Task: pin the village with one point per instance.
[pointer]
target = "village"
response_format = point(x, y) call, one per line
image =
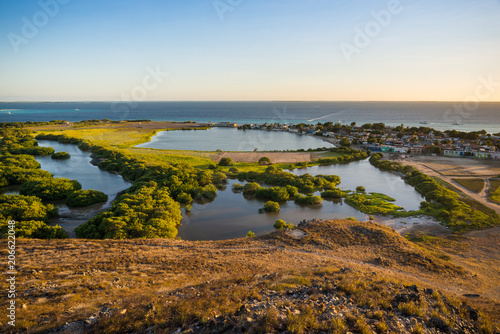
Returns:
point(399, 140)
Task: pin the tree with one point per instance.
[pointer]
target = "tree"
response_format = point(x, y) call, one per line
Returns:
point(237, 187)
point(360, 189)
point(226, 162)
point(345, 142)
point(271, 206)
point(264, 161)
point(250, 188)
point(250, 234)
point(281, 224)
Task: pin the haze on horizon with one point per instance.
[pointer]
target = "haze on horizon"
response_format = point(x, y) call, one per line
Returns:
point(217, 50)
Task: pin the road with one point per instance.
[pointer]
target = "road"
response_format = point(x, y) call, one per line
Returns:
point(482, 197)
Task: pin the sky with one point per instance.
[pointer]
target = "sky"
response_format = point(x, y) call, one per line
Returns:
point(263, 50)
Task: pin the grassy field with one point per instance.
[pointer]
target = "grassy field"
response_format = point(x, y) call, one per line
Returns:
point(494, 194)
point(194, 158)
point(110, 136)
point(474, 184)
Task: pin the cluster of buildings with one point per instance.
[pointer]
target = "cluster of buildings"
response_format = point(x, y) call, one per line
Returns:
point(388, 140)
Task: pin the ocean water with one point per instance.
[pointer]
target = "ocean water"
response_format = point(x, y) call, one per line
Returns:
point(439, 115)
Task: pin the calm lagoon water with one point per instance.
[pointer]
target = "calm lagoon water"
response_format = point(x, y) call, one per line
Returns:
point(230, 139)
point(229, 215)
point(78, 167)
point(362, 173)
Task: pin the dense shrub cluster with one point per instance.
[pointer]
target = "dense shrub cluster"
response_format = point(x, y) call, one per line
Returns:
point(5, 125)
point(281, 224)
point(360, 189)
point(19, 141)
point(31, 217)
point(276, 194)
point(271, 206)
point(308, 200)
point(148, 212)
point(372, 204)
point(60, 156)
point(17, 169)
point(304, 183)
point(226, 162)
point(333, 194)
point(49, 188)
point(82, 198)
point(349, 155)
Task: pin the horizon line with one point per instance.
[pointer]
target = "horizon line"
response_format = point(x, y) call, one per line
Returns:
point(273, 101)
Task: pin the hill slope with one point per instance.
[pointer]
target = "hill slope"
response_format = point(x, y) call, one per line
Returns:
point(323, 276)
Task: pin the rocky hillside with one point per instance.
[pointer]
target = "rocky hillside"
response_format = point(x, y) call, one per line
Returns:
point(323, 276)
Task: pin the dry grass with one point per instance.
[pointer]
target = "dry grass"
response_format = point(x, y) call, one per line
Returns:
point(474, 185)
point(168, 283)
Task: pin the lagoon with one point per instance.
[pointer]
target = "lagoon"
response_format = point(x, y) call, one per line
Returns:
point(78, 167)
point(231, 139)
point(230, 214)
point(362, 173)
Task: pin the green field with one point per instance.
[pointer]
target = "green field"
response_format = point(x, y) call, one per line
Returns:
point(474, 184)
point(109, 135)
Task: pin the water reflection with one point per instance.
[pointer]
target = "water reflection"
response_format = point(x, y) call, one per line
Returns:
point(233, 140)
point(230, 215)
point(362, 173)
point(78, 167)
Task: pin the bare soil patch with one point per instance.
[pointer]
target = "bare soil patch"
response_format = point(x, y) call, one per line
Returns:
point(459, 166)
point(404, 225)
point(276, 157)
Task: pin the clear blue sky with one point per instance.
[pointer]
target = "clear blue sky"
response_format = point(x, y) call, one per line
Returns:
point(91, 50)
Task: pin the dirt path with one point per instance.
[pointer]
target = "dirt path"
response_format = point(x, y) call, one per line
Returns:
point(486, 189)
point(276, 157)
point(482, 197)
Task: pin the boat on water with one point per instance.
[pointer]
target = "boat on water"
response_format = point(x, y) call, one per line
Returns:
point(457, 123)
point(424, 122)
point(77, 109)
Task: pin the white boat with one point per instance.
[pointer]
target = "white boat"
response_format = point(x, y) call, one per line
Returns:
point(457, 123)
point(77, 109)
